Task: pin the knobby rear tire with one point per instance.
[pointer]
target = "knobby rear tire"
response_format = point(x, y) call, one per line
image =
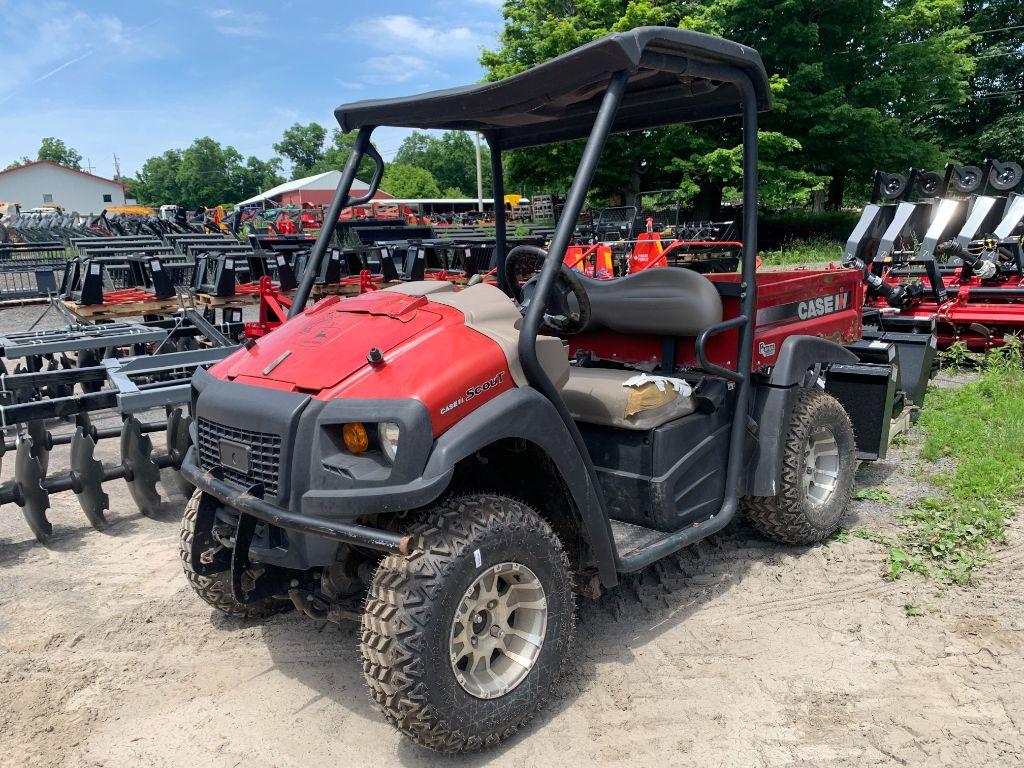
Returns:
point(788, 517)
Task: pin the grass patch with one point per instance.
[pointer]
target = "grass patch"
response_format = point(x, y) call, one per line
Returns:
point(817, 251)
point(874, 494)
point(979, 425)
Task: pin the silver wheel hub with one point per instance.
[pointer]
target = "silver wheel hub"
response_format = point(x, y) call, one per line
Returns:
point(498, 630)
point(821, 467)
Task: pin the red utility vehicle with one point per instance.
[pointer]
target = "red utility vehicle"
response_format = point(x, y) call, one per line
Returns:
point(451, 467)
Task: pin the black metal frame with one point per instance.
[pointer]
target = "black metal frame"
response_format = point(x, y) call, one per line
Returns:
point(602, 126)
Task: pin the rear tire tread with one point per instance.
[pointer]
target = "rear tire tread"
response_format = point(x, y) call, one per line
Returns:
point(782, 517)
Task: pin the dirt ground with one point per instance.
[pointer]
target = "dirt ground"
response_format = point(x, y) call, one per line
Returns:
point(737, 652)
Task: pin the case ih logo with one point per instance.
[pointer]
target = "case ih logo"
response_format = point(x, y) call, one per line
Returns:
point(823, 305)
point(808, 309)
point(472, 392)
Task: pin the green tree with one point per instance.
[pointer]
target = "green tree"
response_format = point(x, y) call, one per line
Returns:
point(991, 122)
point(404, 181)
point(337, 154)
point(450, 158)
point(866, 81)
point(56, 151)
point(856, 86)
point(303, 147)
point(204, 174)
point(256, 176)
point(157, 181)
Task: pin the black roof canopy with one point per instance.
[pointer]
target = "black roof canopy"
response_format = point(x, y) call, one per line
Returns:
point(676, 76)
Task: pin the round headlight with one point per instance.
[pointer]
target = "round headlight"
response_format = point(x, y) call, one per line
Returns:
point(388, 432)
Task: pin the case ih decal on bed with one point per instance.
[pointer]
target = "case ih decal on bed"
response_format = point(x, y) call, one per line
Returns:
point(805, 310)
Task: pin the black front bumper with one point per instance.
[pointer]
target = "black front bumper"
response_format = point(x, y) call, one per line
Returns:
point(246, 502)
point(300, 478)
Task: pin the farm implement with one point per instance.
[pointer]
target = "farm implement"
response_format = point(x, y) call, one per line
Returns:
point(451, 465)
point(945, 260)
point(69, 383)
point(623, 240)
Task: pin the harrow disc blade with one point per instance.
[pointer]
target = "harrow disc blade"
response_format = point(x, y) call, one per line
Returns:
point(37, 444)
point(34, 501)
point(178, 442)
point(89, 473)
point(88, 358)
point(143, 475)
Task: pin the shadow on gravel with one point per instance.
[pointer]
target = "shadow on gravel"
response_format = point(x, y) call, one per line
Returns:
point(325, 658)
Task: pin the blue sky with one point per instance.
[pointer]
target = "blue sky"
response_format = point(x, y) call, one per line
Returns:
point(138, 78)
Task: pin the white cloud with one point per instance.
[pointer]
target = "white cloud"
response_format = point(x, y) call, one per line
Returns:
point(424, 35)
point(398, 68)
point(251, 24)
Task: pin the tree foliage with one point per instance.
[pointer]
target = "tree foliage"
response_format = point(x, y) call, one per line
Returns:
point(303, 147)
point(55, 151)
point(307, 149)
point(403, 180)
point(857, 84)
point(204, 174)
point(450, 158)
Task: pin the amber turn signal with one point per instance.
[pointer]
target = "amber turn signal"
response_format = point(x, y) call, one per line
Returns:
point(355, 437)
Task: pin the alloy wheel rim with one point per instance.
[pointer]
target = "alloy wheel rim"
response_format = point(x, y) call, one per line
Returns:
point(498, 630)
point(821, 467)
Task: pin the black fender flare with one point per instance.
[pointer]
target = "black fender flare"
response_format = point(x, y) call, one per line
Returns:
point(773, 403)
point(800, 353)
point(526, 414)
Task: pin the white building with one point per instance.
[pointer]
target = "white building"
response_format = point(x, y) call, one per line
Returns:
point(46, 183)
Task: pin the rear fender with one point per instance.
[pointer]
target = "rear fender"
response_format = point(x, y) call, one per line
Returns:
point(773, 404)
point(526, 414)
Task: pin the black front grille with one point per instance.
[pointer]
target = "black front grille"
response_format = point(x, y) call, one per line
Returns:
point(264, 455)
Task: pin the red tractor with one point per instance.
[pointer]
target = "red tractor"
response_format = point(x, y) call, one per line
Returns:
point(452, 467)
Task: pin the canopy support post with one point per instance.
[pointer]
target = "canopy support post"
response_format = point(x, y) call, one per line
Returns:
point(498, 193)
point(339, 202)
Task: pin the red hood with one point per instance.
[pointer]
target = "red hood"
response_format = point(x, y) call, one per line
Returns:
point(330, 341)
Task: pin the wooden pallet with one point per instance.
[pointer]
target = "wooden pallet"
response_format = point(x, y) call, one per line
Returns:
point(124, 309)
point(27, 301)
point(238, 301)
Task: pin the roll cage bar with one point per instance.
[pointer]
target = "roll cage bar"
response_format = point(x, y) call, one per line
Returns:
point(646, 78)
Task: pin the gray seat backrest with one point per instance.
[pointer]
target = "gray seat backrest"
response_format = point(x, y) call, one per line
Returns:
point(664, 301)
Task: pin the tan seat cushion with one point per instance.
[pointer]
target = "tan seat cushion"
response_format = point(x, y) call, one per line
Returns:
point(598, 396)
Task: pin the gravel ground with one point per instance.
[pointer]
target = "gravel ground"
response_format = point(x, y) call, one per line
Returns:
point(736, 652)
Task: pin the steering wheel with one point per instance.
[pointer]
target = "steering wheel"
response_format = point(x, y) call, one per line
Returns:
point(568, 306)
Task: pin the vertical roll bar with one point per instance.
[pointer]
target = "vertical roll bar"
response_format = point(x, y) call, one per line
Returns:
point(338, 203)
point(498, 193)
point(553, 263)
point(563, 233)
point(745, 322)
